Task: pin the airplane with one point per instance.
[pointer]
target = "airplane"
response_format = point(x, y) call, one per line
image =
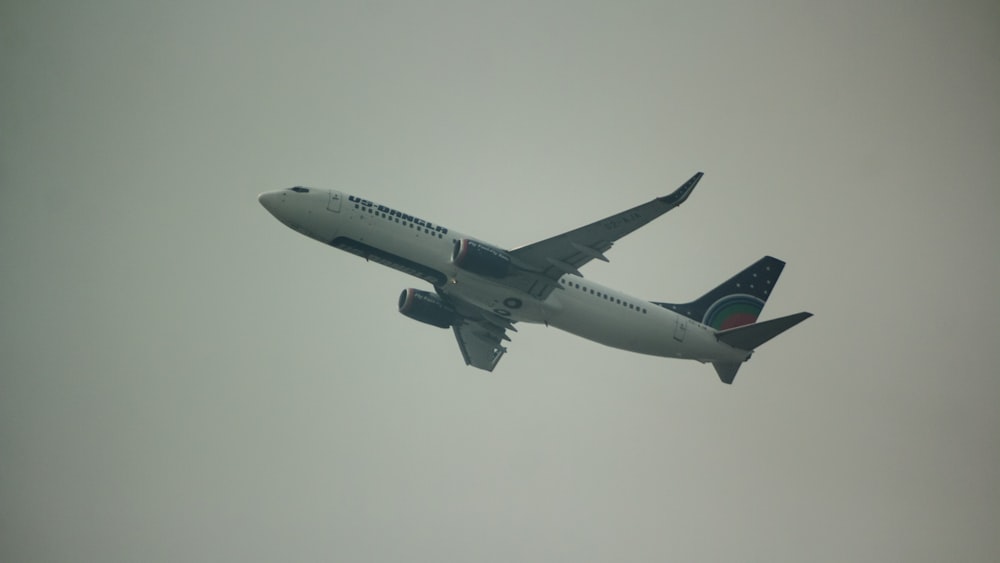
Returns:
point(480, 291)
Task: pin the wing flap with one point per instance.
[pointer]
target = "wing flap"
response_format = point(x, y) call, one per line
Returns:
point(480, 346)
point(479, 333)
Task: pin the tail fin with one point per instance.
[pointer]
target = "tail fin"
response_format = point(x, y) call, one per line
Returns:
point(736, 302)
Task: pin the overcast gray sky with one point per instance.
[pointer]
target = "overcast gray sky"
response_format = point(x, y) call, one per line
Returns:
point(182, 378)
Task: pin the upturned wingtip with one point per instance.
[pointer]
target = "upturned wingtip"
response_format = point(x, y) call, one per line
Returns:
point(682, 193)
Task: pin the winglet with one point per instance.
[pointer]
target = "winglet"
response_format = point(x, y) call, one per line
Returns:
point(682, 193)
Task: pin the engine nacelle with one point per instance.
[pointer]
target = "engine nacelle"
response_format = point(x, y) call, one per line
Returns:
point(426, 307)
point(481, 259)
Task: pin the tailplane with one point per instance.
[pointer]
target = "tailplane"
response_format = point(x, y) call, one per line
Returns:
point(727, 370)
point(751, 336)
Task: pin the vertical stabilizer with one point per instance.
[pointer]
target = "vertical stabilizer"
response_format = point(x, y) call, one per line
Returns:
point(736, 302)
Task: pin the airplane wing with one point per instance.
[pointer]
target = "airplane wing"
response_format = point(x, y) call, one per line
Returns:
point(479, 333)
point(541, 264)
point(479, 343)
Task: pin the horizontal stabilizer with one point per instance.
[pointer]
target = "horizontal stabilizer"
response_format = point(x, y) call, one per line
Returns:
point(727, 370)
point(751, 336)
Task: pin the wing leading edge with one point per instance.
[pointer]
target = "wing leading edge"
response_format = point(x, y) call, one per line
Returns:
point(544, 262)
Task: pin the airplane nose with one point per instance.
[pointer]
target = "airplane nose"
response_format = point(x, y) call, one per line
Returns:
point(270, 200)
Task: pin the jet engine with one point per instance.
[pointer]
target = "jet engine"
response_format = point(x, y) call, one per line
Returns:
point(481, 259)
point(426, 307)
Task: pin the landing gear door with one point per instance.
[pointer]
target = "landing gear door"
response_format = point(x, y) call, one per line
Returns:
point(334, 203)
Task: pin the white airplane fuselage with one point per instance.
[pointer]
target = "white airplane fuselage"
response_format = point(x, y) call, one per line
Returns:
point(424, 249)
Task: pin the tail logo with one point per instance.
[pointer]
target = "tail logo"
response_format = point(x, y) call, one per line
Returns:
point(732, 311)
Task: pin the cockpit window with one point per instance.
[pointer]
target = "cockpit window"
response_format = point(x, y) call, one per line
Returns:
point(300, 189)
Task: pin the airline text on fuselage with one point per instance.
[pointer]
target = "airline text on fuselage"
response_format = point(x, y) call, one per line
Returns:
point(393, 213)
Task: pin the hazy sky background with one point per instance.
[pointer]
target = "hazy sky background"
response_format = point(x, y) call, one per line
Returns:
point(182, 378)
